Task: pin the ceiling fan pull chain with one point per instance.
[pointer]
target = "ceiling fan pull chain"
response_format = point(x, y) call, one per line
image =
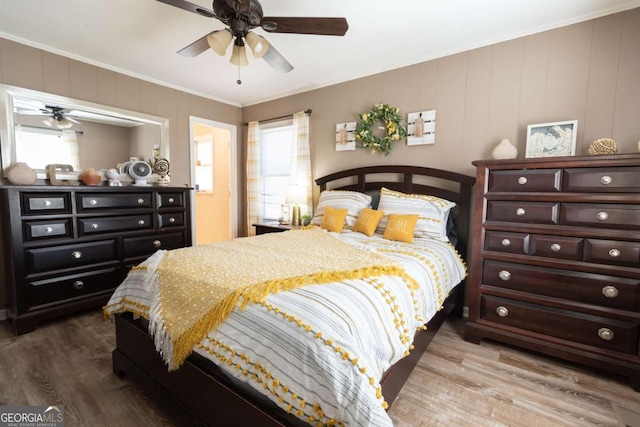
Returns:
point(239, 81)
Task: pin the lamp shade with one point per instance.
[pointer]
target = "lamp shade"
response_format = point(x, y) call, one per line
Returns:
point(296, 195)
point(219, 41)
point(258, 44)
point(239, 56)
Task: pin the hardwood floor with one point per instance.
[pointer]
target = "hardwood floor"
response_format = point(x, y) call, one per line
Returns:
point(455, 383)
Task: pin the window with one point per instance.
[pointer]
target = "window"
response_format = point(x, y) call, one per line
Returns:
point(276, 151)
point(40, 147)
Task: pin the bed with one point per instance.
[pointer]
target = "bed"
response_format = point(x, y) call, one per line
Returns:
point(199, 392)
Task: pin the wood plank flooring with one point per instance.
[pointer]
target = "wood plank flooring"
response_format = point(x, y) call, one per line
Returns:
point(455, 383)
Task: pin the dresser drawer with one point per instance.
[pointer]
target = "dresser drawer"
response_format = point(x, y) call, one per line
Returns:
point(542, 180)
point(522, 212)
point(614, 179)
point(171, 219)
point(601, 216)
point(580, 328)
point(613, 252)
point(98, 201)
point(58, 257)
point(38, 230)
point(45, 203)
point(117, 223)
point(556, 247)
point(513, 243)
point(63, 288)
point(598, 289)
point(142, 246)
point(170, 200)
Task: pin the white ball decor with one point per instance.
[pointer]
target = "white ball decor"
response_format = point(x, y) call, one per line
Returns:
point(21, 174)
point(505, 150)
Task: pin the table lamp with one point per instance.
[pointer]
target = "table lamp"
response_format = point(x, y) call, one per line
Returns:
point(296, 195)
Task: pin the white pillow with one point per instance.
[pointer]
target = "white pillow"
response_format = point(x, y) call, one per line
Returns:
point(432, 211)
point(353, 201)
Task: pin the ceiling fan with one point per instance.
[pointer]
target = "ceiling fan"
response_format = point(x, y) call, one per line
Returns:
point(58, 117)
point(241, 16)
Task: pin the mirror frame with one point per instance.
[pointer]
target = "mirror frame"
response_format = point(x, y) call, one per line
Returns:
point(7, 124)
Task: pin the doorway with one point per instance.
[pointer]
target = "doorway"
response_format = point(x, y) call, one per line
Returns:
point(213, 177)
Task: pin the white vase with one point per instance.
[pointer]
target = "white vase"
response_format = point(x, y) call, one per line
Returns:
point(505, 150)
point(21, 174)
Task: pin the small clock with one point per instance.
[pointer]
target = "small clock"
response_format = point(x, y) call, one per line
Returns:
point(140, 171)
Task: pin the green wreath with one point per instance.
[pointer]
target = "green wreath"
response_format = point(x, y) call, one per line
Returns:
point(394, 131)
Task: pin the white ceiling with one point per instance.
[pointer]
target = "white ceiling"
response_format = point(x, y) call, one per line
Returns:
point(140, 38)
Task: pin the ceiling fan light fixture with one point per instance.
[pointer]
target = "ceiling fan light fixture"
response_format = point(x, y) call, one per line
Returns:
point(239, 54)
point(258, 44)
point(219, 41)
point(64, 123)
point(49, 121)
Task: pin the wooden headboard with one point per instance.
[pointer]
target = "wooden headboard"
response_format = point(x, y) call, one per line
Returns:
point(410, 179)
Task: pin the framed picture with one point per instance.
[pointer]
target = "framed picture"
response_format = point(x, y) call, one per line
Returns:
point(422, 128)
point(552, 139)
point(345, 136)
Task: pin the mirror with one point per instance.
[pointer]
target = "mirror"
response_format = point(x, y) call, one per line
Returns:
point(40, 129)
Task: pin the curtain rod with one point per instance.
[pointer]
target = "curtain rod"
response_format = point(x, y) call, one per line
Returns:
point(51, 129)
point(307, 111)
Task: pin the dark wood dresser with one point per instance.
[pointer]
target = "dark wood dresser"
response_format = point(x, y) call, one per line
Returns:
point(67, 248)
point(555, 262)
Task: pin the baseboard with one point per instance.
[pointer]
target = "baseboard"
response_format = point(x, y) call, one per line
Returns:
point(3, 314)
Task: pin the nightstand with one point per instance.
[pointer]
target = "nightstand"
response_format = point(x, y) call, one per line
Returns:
point(271, 227)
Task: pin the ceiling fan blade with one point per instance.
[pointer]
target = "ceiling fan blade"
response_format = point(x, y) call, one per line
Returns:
point(197, 47)
point(276, 60)
point(319, 26)
point(71, 119)
point(183, 4)
point(29, 112)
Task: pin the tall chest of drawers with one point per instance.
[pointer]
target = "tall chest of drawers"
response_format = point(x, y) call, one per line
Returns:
point(555, 262)
point(67, 248)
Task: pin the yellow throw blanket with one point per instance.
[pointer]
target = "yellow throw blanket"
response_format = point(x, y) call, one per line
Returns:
point(195, 289)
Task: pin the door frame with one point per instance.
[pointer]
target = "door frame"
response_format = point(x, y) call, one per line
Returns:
point(233, 169)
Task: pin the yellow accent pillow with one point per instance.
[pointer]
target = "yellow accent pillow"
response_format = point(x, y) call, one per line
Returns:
point(400, 227)
point(368, 221)
point(333, 219)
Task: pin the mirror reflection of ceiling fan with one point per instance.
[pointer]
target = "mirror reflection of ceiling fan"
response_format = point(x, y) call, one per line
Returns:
point(57, 117)
point(241, 16)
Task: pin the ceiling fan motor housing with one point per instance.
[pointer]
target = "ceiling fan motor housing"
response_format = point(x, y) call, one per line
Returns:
point(229, 11)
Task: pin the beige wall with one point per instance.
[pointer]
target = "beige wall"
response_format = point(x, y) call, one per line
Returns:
point(588, 71)
point(36, 69)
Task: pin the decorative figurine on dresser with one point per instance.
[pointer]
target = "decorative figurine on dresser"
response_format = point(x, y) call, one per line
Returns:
point(66, 248)
point(555, 264)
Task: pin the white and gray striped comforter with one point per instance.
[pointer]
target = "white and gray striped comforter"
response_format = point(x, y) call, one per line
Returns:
point(320, 351)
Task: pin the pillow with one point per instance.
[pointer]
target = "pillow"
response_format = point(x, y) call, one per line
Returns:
point(333, 219)
point(432, 211)
point(400, 227)
point(368, 221)
point(353, 201)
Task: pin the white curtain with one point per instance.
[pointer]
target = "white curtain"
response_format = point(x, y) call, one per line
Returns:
point(301, 164)
point(254, 197)
point(70, 147)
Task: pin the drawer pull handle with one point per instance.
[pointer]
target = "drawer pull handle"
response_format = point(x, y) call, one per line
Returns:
point(520, 211)
point(172, 220)
point(556, 247)
point(614, 253)
point(95, 226)
point(157, 243)
point(502, 311)
point(141, 222)
point(47, 202)
point(606, 334)
point(171, 200)
point(140, 201)
point(76, 254)
point(606, 180)
point(603, 216)
point(506, 242)
point(504, 275)
point(610, 291)
point(93, 202)
point(49, 229)
point(78, 284)
point(522, 180)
